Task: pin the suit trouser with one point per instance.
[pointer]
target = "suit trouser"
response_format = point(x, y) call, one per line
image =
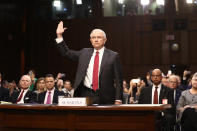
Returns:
point(189, 119)
point(93, 95)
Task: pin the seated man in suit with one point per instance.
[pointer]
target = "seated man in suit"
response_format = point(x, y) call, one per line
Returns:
point(68, 90)
point(173, 84)
point(156, 94)
point(4, 94)
point(24, 95)
point(51, 95)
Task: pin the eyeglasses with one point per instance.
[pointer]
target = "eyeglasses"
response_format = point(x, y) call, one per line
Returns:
point(173, 82)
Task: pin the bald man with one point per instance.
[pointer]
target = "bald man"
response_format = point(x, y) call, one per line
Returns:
point(159, 94)
point(24, 95)
point(99, 69)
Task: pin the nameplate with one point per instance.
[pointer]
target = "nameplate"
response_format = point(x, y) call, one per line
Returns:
point(78, 101)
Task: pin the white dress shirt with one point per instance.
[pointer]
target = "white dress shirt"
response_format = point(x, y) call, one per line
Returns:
point(47, 93)
point(89, 73)
point(158, 91)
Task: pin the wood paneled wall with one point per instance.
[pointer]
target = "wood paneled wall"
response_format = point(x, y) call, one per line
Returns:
point(141, 48)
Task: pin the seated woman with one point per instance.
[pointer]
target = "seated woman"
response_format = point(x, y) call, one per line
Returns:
point(187, 106)
point(40, 86)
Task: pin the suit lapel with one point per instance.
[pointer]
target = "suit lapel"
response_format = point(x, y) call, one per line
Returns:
point(162, 93)
point(149, 98)
point(54, 96)
point(87, 58)
point(42, 96)
point(103, 61)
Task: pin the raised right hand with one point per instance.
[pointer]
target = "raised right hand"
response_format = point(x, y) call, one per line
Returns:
point(60, 30)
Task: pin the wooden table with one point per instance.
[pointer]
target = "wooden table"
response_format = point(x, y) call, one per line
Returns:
point(134, 117)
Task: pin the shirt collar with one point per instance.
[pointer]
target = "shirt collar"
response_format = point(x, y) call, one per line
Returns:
point(25, 90)
point(100, 50)
point(51, 90)
point(159, 86)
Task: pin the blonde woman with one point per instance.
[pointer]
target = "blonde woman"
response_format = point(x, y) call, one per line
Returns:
point(40, 86)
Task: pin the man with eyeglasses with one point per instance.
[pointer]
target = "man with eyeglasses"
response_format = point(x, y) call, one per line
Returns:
point(159, 94)
point(173, 84)
point(24, 95)
point(99, 69)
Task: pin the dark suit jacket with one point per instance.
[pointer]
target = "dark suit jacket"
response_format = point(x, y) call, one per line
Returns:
point(177, 96)
point(4, 94)
point(110, 72)
point(57, 93)
point(30, 97)
point(165, 93)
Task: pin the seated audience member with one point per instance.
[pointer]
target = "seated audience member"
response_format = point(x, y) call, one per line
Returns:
point(139, 88)
point(180, 85)
point(12, 87)
point(50, 96)
point(125, 92)
point(32, 75)
point(173, 84)
point(5, 84)
point(40, 86)
point(59, 84)
point(134, 83)
point(135, 89)
point(155, 94)
point(165, 81)
point(186, 76)
point(148, 79)
point(187, 107)
point(186, 80)
point(59, 76)
point(68, 90)
point(24, 95)
point(4, 94)
point(125, 87)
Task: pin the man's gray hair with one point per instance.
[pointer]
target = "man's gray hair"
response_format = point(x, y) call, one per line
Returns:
point(26, 76)
point(104, 34)
point(195, 75)
point(174, 76)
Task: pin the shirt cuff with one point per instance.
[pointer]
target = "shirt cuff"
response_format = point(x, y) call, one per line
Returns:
point(58, 40)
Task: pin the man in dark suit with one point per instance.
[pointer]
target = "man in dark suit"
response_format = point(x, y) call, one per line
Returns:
point(173, 84)
point(51, 95)
point(4, 94)
point(24, 95)
point(99, 74)
point(159, 94)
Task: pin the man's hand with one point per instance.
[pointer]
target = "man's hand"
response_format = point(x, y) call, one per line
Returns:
point(60, 30)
